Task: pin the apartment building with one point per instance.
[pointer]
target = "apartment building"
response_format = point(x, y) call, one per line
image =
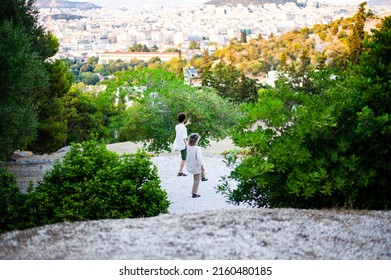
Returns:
point(106, 57)
point(191, 77)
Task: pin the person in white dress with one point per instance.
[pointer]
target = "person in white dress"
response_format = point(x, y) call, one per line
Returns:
point(195, 163)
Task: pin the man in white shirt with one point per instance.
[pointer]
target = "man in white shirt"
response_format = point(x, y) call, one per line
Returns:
point(180, 142)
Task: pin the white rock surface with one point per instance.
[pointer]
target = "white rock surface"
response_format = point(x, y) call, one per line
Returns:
point(207, 227)
point(219, 234)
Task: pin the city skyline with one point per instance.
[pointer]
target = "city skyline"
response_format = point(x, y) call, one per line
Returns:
point(96, 31)
point(110, 3)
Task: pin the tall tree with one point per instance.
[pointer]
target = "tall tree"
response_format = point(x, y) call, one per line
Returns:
point(243, 36)
point(355, 40)
point(370, 108)
point(24, 14)
point(230, 83)
point(283, 57)
point(88, 114)
point(21, 74)
point(24, 46)
point(52, 129)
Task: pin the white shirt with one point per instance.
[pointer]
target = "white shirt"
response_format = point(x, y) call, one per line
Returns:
point(194, 159)
point(181, 134)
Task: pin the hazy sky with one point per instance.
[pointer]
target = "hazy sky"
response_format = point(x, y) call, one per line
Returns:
point(108, 3)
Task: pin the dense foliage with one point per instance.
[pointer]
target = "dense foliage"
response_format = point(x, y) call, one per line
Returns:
point(230, 83)
point(12, 202)
point(52, 129)
point(156, 98)
point(370, 108)
point(90, 112)
point(24, 47)
point(89, 183)
point(326, 147)
point(90, 72)
point(18, 113)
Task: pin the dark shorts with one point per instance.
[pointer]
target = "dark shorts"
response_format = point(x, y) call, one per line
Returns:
point(184, 154)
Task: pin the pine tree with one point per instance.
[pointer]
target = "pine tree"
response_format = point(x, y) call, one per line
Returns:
point(355, 40)
point(243, 36)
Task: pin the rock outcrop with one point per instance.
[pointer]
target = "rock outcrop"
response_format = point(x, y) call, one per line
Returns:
point(214, 235)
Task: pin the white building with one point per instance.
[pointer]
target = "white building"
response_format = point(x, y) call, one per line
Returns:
point(192, 77)
point(179, 38)
point(106, 57)
point(272, 76)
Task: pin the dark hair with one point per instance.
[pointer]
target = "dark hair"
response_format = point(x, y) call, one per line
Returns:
point(181, 117)
point(194, 137)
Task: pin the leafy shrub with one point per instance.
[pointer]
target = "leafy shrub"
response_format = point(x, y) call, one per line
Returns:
point(12, 201)
point(89, 183)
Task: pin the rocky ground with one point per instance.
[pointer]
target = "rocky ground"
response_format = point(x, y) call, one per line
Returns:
point(214, 235)
point(204, 228)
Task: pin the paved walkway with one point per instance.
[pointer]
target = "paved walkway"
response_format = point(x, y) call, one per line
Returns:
point(179, 188)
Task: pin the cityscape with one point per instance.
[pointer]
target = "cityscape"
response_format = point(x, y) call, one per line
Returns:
point(99, 31)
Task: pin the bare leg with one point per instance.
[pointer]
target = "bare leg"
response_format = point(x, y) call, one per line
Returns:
point(181, 166)
point(196, 183)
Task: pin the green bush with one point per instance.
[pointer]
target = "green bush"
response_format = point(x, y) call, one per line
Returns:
point(12, 201)
point(90, 183)
point(93, 183)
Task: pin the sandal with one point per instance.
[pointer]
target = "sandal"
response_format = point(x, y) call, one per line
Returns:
point(195, 195)
point(181, 174)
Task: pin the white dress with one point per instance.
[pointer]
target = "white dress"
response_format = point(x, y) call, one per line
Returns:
point(194, 159)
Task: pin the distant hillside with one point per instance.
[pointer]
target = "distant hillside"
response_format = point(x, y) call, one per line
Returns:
point(42, 4)
point(66, 17)
point(277, 2)
point(378, 2)
point(247, 2)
